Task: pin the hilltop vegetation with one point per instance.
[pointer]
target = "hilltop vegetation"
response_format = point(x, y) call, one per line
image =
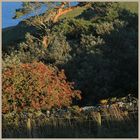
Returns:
point(19, 30)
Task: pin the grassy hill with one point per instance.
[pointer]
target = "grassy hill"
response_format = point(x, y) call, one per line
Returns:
point(132, 6)
point(76, 12)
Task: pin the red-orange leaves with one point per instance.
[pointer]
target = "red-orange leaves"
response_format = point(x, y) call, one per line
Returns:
point(35, 86)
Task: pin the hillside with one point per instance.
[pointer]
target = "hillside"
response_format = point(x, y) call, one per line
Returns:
point(19, 31)
point(71, 71)
point(80, 27)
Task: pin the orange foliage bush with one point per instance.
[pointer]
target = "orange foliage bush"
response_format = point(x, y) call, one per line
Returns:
point(35, 86)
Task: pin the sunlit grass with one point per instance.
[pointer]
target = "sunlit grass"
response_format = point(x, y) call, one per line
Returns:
point(132, 6)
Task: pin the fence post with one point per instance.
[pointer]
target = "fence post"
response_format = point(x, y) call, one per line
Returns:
point(99, 123)
point(99, 119)
point(29, 127)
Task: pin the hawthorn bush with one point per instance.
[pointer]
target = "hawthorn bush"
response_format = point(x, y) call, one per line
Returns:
point(35, 86)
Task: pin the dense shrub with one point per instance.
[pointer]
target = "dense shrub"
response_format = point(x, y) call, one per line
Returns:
point(58, 50)
point(35, 86)
point(12, 59)
point(32, 48)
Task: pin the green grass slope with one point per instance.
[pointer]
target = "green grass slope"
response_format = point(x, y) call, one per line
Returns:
point(132, 6)
point(76, 12)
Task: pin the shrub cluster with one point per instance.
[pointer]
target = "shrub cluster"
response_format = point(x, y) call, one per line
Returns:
point(35, 86)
